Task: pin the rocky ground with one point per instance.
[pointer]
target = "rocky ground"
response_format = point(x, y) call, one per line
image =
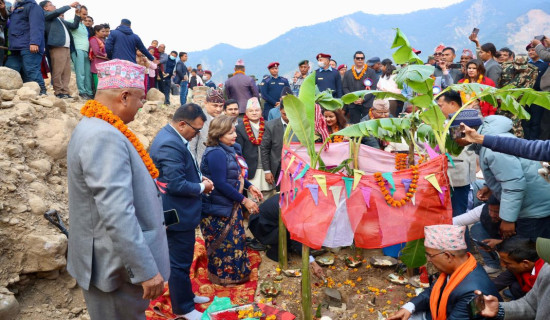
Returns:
point(33, 281)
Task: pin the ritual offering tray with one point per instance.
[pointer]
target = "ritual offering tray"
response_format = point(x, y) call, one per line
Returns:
point(270, 289)
point(415, 282)
point(292, 273)
point(353, 262)
point(326, 259)
point(248, 311)
point(394, 278)
point(383, 261)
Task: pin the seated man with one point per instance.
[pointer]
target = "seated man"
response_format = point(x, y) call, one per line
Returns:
point(265, 228)
point(535, 305)
point(380, 109)
point(519, 257)
point(460, 275)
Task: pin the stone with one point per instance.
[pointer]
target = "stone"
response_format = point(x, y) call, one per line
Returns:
point(155, 95)
point(61, 104)
point(7, 95)
point(26, 93)
point(71, 283)
point(41, 165)
point(9, 307)
point(37, 204)
point(43, 102)
point(54, 135)
point(38, 188)
point(32, 85)
point(49, 275)
point(44, 253)
point(334, 297)
point(10, 79)
point(7, 104)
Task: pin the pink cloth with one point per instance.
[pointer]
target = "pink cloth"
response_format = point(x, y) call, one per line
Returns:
point(445, 237)
point(117, 74)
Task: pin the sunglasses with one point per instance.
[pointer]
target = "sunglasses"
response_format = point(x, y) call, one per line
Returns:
point(359, 58)
point(197, 131)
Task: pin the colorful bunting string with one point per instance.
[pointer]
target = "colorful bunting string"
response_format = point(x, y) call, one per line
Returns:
point(389, 178)
point(433, 180)
point(322, 181)
point(303, 172)
point(349, 185)
point(357, 174)
point(314, 189)
point(336, 192)
point(366, 191)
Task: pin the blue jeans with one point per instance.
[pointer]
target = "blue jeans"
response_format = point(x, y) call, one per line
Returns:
point(28, 65)
point(533, 228)
point(479, 233)
point(531, 127)
point(166, 88)
point(82, 69)
point(181, 246)
point(183, 92)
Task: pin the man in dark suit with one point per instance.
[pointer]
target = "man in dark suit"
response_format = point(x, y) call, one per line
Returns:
point(59, 45)
point(181, 184)
point(272, 146)
point(182, 77)
point(241, 87)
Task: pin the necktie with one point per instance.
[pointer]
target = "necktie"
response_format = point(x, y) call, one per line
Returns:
point(194, 161)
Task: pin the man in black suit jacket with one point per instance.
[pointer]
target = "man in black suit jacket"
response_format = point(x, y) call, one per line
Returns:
point(272, 146)
point(60, 44)
point(181, 184)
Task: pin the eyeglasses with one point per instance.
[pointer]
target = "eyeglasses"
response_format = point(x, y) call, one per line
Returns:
point(438, 54)
point(359, 58)
point(197, 131)
point(431, 256)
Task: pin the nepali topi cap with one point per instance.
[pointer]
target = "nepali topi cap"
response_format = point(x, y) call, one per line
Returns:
point(323, 55)
point(469, 117)
point(253, 102)
point(439, 48)
point(273, 64)
point(120, 74)
point(445, 237)
point(239, 63)
point(214, 96)
point(468, 53)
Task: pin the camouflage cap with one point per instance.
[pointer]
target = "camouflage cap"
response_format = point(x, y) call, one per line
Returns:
point(521, 62)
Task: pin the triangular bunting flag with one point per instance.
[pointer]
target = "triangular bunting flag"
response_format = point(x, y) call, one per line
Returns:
point(314, 189)
point(407, 184)
point(302, 182)
point(280, 177)
point(336, 192)
point(442, 195)
point(281, 199)
point(433, 180)
point(349, 185)
point(413, 199)
point(450, 159)
point(366, 195)
point(389, 177)
point(357, 174)
point(295, 194)
point(430, 150)
point(298, 167)
point(303, 173)
point(290, 163)
point(322, 181)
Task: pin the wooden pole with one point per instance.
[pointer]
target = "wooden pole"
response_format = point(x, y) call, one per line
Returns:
point(306, 285)
point(283, 248)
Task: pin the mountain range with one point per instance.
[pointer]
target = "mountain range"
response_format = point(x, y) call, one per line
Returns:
point(507, 23)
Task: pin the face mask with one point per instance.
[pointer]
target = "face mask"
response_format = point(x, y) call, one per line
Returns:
point(321, 64)
point(172, 58)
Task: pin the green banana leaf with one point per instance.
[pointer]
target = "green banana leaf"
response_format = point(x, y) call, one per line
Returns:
point(327, 101)
point(413, 254)
point(301, 121)
point(353, 96)
point(404, 54)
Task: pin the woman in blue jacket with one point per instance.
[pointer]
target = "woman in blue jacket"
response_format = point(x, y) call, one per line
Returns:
point(222, 223)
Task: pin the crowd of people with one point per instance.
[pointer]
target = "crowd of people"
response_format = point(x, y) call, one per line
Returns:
point(212, 165)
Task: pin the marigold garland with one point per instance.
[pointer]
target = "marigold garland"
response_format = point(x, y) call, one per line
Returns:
point(358, 77)
point(94, 109)
point(401, 161)
point(409, 194)
point(463, 94)
point(238, 71)
point(250, 134)
point(335, 139)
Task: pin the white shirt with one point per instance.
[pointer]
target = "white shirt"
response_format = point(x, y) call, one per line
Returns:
point(67, 38)
point(185, 142)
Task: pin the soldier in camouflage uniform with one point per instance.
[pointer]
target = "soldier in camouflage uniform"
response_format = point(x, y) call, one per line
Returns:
point(520, 74)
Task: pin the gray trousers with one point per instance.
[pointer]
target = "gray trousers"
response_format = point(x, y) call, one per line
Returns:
point(124, 303)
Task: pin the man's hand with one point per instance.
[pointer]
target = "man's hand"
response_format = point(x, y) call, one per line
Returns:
point(484, 193)
point(277, 104)
point(33, 48)
point(402, 314)
point(507, 229)
point(208, 185)
point(535, 42)
point(269, 178)
point(359, 101)
point(492, 242)
point(155, 61)
point(74, 4)
point(153, 287)
point(491, 306)
point(317, 270)
point(471, 134)
point(256, 192)
point(443, 65)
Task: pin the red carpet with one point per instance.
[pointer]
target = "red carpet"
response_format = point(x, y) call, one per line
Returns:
point(161, 308)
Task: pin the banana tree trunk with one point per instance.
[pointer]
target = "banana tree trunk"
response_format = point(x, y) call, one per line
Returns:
point(306, 285)
point(283, 248)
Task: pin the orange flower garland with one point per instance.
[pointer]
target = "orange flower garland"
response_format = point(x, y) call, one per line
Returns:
point(463, 94)
point(255, 141)
point(94, 109)
point(410, 193)
point(358, 77)
point(238, 71)
point(400, 161)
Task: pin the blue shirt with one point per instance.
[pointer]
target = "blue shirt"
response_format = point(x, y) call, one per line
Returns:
point(329, 79)
point(271, 89)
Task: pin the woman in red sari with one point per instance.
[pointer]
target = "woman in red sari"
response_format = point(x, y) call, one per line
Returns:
point(475, 73)
point(97, 52)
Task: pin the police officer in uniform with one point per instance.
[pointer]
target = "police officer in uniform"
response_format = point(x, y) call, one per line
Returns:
point(326, 77)
point(271, 88)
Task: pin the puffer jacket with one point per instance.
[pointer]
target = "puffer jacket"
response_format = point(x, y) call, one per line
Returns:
point(123, 43)
point(27, 26)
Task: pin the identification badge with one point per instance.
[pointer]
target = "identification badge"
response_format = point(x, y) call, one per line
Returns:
point(319, 78)
point(367, 82)
point(437, 90)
